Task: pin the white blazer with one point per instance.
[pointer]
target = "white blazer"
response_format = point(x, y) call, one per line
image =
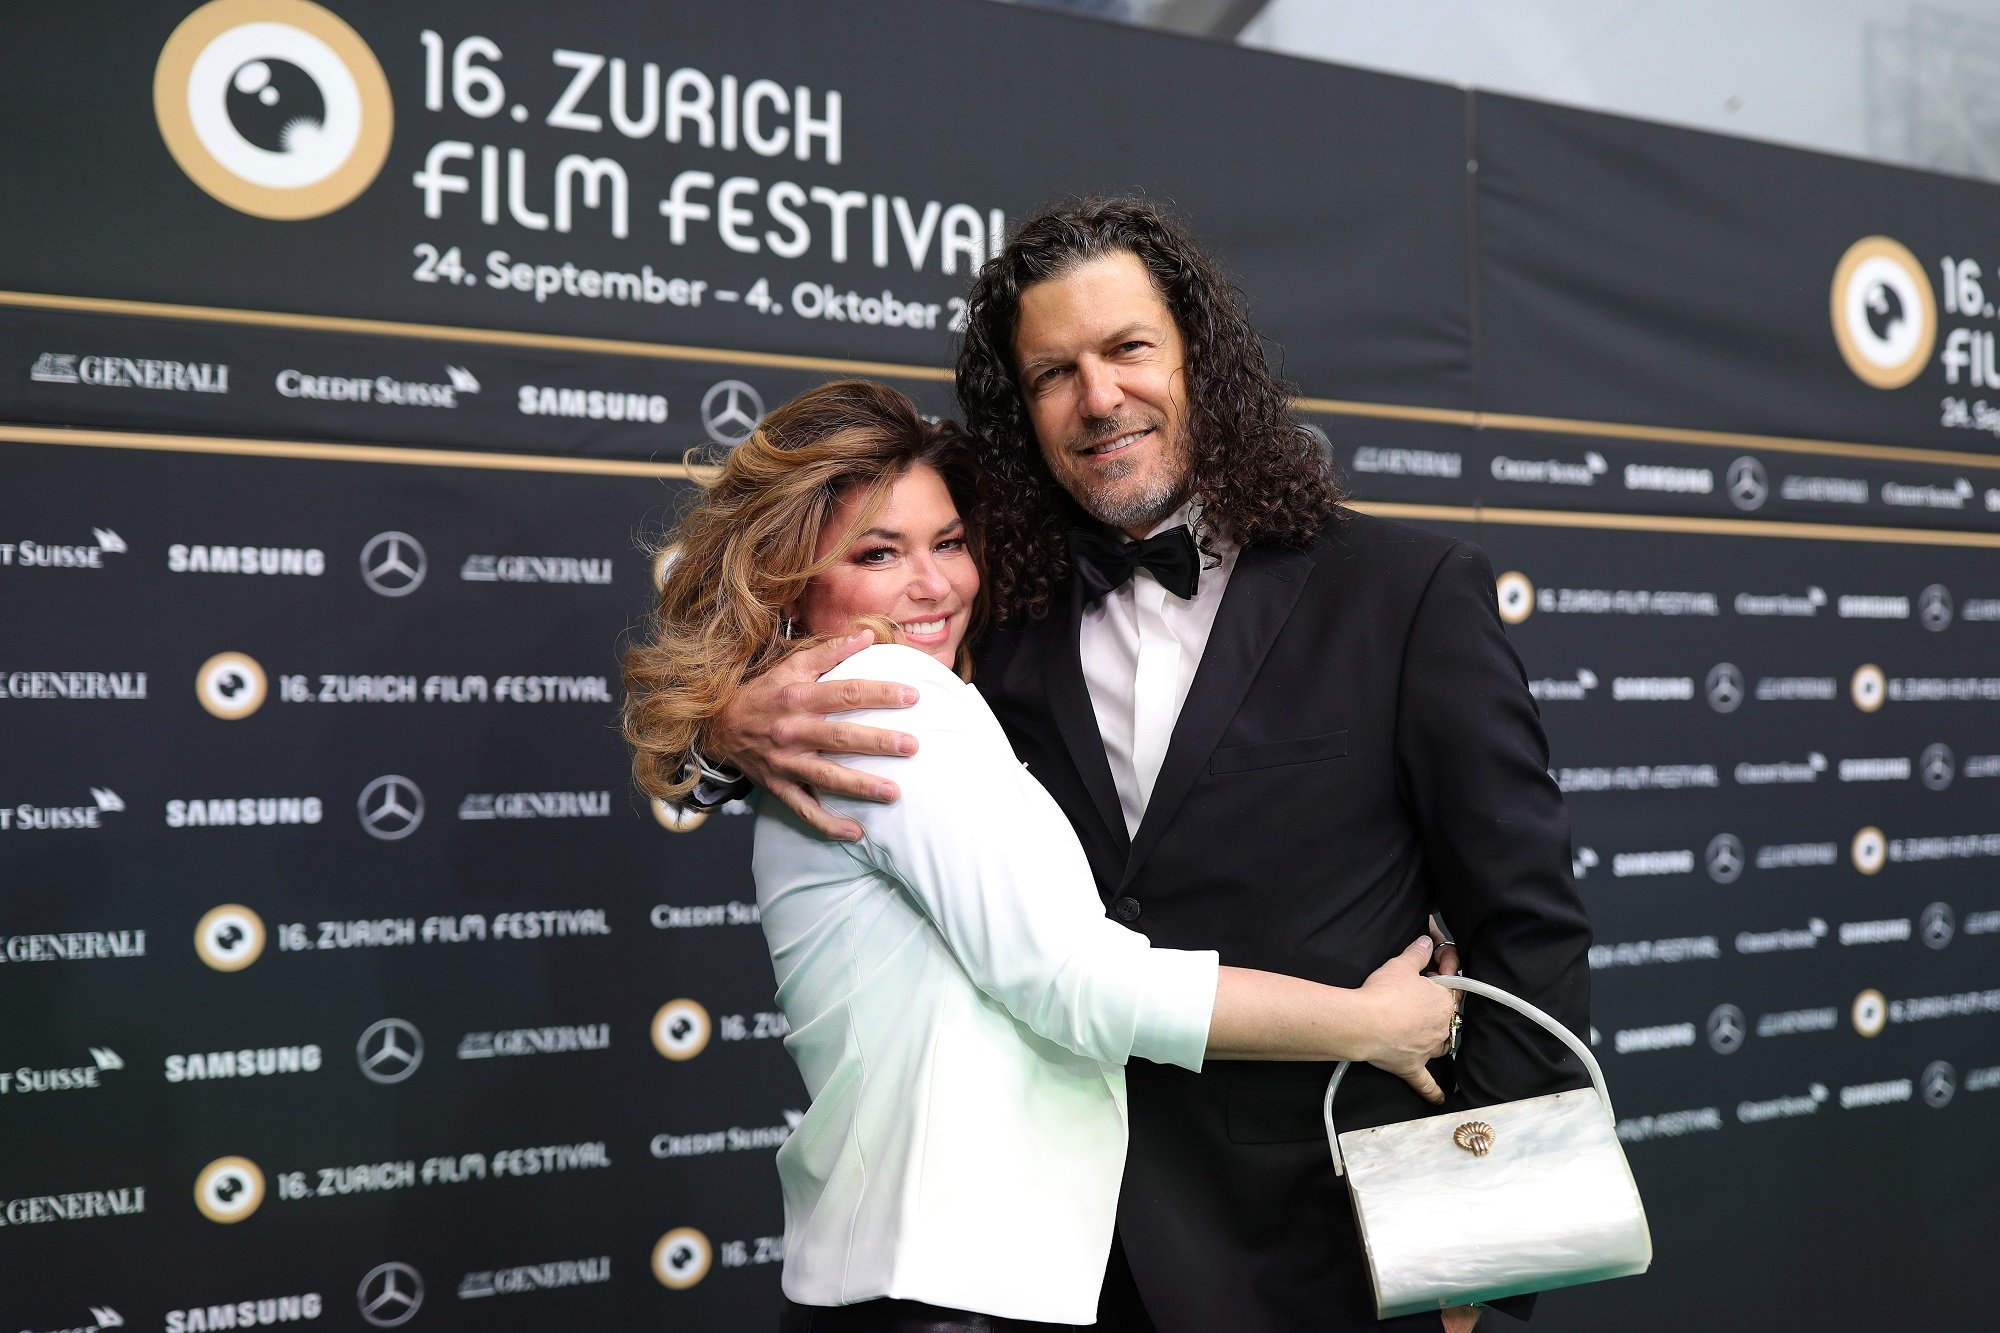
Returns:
point(962, 1010)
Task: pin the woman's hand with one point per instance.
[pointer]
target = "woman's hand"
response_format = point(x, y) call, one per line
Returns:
point(776, 729)
point(1412, 1018)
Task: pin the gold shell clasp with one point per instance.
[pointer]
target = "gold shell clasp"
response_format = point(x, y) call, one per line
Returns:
point(1475, 1136)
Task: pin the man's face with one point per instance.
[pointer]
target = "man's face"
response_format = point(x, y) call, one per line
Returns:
point(1103, 375)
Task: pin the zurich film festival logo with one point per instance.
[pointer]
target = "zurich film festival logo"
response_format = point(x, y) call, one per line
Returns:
point(681, 1029)
point(682, 1258)
point(229, 938)
point(275, 107)
point(231, 686)
point(1515, 595)
point(1884, 312)
point(229, 1189)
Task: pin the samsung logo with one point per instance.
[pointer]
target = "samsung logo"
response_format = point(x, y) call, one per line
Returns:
point(244, 812)
point(1673, 480)
point(308, 562)
point(1669, 1036)
point(590, 404)
point(1873, 608)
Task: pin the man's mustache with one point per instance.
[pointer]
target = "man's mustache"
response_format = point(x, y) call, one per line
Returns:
point(1108, 428)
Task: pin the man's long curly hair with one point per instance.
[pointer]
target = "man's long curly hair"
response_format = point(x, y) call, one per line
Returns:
point(1257, 472)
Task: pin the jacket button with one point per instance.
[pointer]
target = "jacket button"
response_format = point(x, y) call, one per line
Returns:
point(1126, 909)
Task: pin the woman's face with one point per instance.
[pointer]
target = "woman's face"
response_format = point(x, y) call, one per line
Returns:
point(912, 565)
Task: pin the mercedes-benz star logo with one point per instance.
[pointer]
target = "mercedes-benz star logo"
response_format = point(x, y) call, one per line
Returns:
point(730, 410)
point(393, 563)
point(1748, 485)
point(1724, 858)
point(1937, 925)
point(1940, 1084)
point(1725, 687)
point(390, 807)
point(1726, 1028)
point(1934, 607)
point(390, 1051)
point(1937, 766)
point(390, 1294)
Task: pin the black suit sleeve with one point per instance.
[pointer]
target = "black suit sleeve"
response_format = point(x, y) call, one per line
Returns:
point(1473, 765)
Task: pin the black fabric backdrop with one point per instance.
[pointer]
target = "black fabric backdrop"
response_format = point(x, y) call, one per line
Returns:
point(1756, 595)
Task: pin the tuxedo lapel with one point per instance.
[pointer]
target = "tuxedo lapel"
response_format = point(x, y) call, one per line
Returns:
point(1263, 588)
point(1047, 662)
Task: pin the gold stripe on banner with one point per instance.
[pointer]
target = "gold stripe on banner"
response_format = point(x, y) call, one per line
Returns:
point(1619, 430)
point(1616, 430)
point(1707, 527)
point(273, 319)
point(616, 467)
point(347, 453)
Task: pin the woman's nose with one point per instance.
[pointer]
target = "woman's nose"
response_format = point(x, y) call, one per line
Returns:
point(927, 580)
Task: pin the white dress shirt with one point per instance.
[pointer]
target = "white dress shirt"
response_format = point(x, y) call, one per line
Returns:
point(1140, 646)
point(961, 1010)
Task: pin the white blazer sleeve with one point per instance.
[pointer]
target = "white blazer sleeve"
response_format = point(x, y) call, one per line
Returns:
point(993, 863)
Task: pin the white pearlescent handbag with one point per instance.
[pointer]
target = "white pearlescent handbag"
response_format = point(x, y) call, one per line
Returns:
point(1476, 1205)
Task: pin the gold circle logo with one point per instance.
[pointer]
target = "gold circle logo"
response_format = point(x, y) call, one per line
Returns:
point(682, 1258)
point(230, 686)
point(1884, 312)
point(675, 819)
point(1870, 1013)
point(229, 938)
point(1516, 596)
point(1870, 850)
point(1868, 688)
point(681, 1029)
point(275, 107)
point(229, 1189)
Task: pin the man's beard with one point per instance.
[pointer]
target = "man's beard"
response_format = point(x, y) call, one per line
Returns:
point(1130, 509)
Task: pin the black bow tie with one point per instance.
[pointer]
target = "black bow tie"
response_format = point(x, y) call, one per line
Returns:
point(1105, 561)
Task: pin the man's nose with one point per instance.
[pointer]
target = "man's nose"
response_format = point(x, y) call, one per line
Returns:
point(1102, 393)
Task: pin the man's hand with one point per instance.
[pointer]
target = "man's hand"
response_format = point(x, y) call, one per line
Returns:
point(1412, 1018)
point(1460, 1318)
point(776, 728)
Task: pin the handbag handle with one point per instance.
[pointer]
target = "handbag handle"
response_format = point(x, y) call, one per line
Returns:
point(1498, 996)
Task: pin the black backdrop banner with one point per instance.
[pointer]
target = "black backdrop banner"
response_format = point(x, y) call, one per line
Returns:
point(350, 354)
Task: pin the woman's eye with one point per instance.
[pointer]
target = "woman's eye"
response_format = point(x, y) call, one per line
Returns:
point(878, 555)
point(952, 544)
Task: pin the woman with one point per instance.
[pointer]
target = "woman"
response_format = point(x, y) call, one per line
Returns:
point(961, 1008)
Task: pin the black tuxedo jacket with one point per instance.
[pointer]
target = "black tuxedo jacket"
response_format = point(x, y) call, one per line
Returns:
point(1358, 747)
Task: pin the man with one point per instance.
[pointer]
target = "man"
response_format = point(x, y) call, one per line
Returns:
point(1281, 729)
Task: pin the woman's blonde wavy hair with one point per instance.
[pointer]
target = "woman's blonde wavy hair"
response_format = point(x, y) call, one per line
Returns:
point(747, 548)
